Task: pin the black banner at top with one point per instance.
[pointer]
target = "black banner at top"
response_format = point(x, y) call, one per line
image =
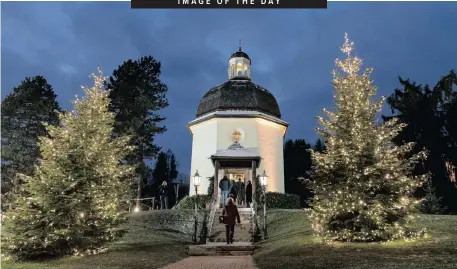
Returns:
point(229, 3)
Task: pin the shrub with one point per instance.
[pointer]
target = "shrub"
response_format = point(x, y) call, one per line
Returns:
point(189, 202)
point(174, 221)
point(283, 200)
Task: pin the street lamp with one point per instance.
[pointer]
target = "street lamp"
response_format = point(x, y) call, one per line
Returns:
point(263, 182)
point(196, 179)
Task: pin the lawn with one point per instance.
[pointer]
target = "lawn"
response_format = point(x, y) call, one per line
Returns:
point(153, 241)
point(291, 245)
point(159, 238)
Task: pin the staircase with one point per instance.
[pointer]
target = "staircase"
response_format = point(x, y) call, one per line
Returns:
point(217, 244)
point(242, 231)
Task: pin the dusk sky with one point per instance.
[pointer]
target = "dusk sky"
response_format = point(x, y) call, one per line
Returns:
point(292, 51)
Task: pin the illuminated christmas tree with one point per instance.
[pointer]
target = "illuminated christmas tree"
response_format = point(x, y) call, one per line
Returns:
point(72, 203)
point(362, 183)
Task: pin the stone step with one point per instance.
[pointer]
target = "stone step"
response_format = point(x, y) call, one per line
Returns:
point(242, 234)
point(240, 210)
point(222, 249)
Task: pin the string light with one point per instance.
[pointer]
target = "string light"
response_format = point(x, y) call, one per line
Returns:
point(362, 187)
point(76, 191)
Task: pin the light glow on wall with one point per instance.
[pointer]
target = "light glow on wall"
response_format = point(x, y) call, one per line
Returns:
point(216, 134)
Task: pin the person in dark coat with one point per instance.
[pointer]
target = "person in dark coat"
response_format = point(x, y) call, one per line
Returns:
point(163, 190)
point(231, 216)
point(249, 194)
point(224, 185)
point(233, 190)
point(240, 189)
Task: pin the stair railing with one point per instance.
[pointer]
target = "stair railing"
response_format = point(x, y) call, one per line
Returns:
point(253, 223)
point(212, 215)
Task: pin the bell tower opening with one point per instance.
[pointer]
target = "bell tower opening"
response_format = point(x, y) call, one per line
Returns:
point(239, 65)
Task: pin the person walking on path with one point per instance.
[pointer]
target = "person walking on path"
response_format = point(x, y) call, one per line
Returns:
point(249, 194)
point(163, 190)
point(231, 216)
point(240, 189)
point(224, 185)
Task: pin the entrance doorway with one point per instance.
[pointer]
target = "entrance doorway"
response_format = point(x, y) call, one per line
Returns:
point(239, 180)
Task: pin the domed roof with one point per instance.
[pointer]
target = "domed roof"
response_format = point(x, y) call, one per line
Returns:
point(239, 94)
point(240, 54)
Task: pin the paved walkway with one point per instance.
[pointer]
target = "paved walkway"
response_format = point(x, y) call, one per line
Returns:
point(214, 262)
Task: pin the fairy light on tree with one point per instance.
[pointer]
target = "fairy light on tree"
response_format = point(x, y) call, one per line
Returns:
point(73, 203)
point(362, 184)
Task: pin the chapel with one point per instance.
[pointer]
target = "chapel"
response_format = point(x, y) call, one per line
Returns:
point(238, 131)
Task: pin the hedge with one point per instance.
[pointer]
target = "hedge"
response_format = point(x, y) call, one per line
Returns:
point(282, 200)
point(189, 202)
point(178, 221)
point(275, 200)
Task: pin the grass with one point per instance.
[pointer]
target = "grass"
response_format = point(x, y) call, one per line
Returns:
point(147, 245)
point(291, 245)
point(158, 238)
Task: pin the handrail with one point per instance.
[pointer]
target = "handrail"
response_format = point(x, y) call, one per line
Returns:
point(253, 222)
point(212, 214)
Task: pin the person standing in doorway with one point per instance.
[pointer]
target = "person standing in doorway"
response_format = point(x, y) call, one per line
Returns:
point(240, 189)
point(224, 185)
point(231, 216)
point(233, 190)
point(249, 194)
point(163, 190)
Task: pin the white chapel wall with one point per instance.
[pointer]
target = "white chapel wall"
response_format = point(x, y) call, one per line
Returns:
point(204, 144)
point(271, 141)
point(216, 134)
point(247, 127)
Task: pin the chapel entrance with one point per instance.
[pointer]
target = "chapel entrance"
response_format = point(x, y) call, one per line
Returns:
point(239, 179)
point(234, 162)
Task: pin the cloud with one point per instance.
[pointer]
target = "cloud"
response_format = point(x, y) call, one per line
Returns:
point(292, 51)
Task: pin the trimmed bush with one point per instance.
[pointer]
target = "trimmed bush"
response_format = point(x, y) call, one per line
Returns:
point(175, 221)
point(189, 202)
point(283, 200)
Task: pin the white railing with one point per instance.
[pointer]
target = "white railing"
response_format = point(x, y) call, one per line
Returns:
point(212, 214)
point(253, 221)
point(136, 204)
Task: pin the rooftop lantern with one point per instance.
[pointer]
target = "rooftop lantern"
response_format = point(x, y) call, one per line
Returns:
point(239, 65)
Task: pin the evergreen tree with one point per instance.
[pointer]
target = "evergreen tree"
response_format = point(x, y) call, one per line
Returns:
point(431, 203)
point(361, 183)
point(319, 146)
point(137, 94)
point(23, 112)
point(429, 113)
point(297, 164)
point(72, 203)
point(160, 173)
point(172, 166)
point(211, 186)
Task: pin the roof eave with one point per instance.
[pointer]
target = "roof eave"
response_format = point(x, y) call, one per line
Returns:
point(250, 114)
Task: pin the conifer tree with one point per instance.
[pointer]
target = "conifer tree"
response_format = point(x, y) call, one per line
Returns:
point(23, 112)
point(431, 203)
point(72, 203)
point(362, 183)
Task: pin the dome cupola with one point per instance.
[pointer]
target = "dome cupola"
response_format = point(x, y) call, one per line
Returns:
point(239, 65)
point(239, 92)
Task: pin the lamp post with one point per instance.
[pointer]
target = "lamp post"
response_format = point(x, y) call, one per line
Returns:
point(196, 179)
point(263, 182)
